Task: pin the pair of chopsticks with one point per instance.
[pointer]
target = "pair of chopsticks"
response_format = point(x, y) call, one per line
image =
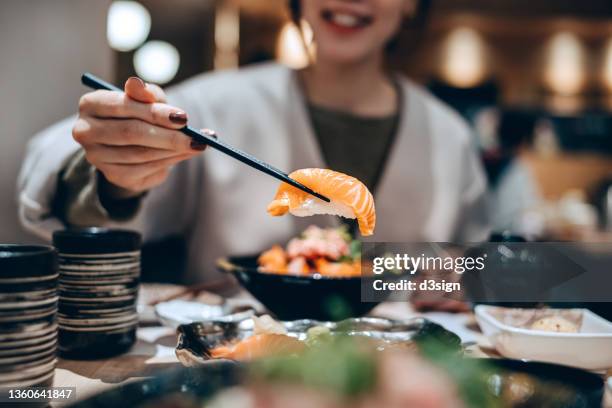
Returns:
point(94, 82)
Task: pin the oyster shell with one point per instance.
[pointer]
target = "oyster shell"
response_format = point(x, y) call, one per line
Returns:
point(196, 340)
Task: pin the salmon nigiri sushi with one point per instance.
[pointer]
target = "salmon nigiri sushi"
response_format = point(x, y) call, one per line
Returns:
point(350, 198)
point(258, 346)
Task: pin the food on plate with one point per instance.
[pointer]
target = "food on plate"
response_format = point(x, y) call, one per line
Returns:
point(329, 252)
point(263, 336)
point(269, 338)
point(258, 346)
point(350, 198)
point(545, 319)
point(556, 324)
point(348, 364)
point(267, 325)
point(341, 373)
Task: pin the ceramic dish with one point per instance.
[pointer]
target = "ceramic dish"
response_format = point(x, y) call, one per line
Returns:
point(177, 312)
point(105, 342)
point(24, 358)
point(26, 342)
point(30, 315)
point(20, 305)
point(27, 330)
point(28, 295)
point(19, 367)
point(192, 386)
point(511, 333)
point(291, 297)
point(197, 339)
point(43, 380)
point(29, 372)
point(28, 349)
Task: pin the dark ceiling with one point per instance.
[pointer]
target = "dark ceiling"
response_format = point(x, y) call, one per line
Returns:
point(539, 8)
point(182, 10)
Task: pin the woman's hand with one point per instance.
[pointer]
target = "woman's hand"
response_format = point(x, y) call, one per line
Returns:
point(132, 137)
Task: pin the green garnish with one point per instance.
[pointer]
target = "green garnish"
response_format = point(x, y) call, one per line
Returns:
point(337, 365)
point(355, 248)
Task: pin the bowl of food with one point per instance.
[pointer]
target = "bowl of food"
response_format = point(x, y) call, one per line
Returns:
point(573, 337)
point(316, 276)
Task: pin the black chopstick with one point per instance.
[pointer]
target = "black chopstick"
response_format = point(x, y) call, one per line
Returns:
point(94, 82)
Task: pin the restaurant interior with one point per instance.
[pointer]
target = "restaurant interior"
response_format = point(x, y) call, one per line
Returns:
point(545, 66)
point(531, 78)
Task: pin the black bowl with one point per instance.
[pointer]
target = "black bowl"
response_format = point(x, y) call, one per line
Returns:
point(291, 297)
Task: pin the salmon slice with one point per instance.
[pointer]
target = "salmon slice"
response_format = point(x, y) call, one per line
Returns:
point(258, 346)
point(273, 260)
point(350, 198)
point(338, 269)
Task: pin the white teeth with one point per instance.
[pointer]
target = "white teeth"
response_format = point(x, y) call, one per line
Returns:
point(346, 20)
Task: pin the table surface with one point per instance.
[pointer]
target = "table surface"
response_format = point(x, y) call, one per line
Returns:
point(154, 351)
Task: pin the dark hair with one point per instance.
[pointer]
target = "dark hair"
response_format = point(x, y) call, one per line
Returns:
point(408, 36)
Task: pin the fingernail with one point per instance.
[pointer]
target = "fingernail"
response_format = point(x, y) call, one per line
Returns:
point(139, 80)
point(178, 117)
point(198, 145)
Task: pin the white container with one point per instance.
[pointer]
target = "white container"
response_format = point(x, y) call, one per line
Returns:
point(590, 348)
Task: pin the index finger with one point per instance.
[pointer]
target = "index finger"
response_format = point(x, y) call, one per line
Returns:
point(111, 104)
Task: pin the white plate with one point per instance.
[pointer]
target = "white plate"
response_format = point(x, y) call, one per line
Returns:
point(177, 312)
point(590, 348)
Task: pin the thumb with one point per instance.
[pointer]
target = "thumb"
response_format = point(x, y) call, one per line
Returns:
point(136, 89)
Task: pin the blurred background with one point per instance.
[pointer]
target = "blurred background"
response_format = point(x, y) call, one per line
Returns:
point(532, 77)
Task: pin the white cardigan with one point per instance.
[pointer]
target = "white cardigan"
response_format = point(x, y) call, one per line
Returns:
point(433, 188)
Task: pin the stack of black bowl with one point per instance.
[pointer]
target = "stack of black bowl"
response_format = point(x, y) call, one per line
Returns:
point(28, 309)
point(99, 276)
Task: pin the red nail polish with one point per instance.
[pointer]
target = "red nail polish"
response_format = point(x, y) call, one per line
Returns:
point(178, 117)
point(197, 145)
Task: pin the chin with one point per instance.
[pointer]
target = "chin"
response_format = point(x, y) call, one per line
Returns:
point(341, 55)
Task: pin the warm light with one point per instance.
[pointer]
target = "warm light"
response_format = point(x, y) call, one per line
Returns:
point(463, 62)
point(157, 61)
point(127, 25)
point(564, 66)
point(292, 49)
point(607, 69)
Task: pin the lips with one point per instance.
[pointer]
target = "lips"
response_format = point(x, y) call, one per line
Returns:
point(346, 20)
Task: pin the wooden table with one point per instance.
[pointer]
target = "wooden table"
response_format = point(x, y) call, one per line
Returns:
point(154, 351)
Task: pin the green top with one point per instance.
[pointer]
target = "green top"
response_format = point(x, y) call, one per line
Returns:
point(351, 144)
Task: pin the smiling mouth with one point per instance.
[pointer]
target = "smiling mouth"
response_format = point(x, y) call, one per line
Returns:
point(346, 20)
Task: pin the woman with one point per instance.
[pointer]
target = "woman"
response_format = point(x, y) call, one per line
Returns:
point(127, 164)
